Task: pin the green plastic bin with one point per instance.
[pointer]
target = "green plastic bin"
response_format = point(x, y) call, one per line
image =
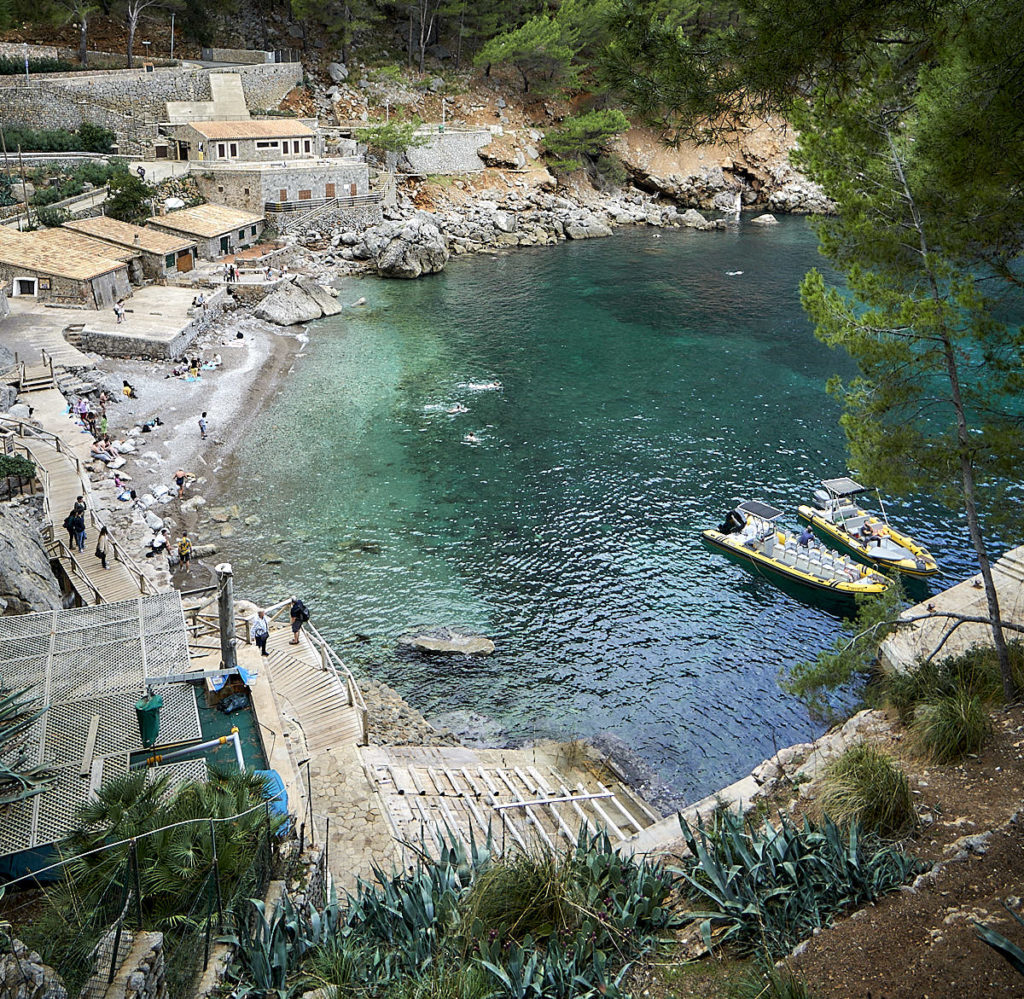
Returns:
point(147, 711)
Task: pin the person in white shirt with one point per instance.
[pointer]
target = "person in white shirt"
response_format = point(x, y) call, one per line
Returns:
point(261, 632)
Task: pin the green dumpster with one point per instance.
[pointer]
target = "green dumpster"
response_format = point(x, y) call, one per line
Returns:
point(147, 711)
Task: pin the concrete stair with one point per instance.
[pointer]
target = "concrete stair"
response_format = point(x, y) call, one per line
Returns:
point(228, 98)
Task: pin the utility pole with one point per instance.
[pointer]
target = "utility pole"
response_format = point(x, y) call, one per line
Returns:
point(25, 50)
point(24, 188)
point(226, 615)
point(172, 34)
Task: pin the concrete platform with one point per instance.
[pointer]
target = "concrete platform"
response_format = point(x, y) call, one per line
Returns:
point(920, 640)
point(159, 323)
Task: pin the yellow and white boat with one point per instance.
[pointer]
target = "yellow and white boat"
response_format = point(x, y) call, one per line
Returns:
point(863, 535)
point(807, 570)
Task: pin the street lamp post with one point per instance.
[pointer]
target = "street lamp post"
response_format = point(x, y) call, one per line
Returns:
point(146, 56)
point(25, 50)
point(172, 34)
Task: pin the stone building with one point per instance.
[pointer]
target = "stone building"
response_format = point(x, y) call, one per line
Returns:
point(64, 239)
point(216, 229)
point(230, 141)
point(32, 267)
point(160, 253)
point(300, 184)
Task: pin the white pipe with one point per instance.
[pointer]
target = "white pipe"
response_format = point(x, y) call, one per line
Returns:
point(233, 737)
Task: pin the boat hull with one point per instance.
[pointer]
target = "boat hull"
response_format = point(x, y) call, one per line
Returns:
point(834, 596)
point(835, 537)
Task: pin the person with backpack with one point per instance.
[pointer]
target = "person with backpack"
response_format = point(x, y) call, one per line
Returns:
point(261, 632)
point(69, 526)
point(299, 615)
point(101, 546)
point(184, 550)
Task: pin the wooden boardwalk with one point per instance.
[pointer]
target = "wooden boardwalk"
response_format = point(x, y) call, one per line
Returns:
point(315, 699)
point(63, 478)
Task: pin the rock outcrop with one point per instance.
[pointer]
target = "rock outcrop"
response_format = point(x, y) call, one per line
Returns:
point(586, 225)
point(26, 582)
point(298, 300)
point(448, 642)
point(406, 248)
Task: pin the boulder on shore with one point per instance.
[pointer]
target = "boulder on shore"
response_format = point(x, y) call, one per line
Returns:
point(298, 300)
point(586, 226)
point(448, 642)
point(407, 248)
point(766, 219)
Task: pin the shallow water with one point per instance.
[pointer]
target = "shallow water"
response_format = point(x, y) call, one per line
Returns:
point(644, 390)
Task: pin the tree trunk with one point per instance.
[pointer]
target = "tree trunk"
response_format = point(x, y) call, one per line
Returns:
point(964, 446)
point(133, 21)
point(83, 51)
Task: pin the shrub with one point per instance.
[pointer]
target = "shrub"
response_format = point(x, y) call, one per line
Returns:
point(16, 464)
point(949, 726)
point(583, 137)
point(95, 138)
point(50, 218)
point(770, 888)
point(13, 66)
point(976, 672)
point(866, 786)
point(771, 983)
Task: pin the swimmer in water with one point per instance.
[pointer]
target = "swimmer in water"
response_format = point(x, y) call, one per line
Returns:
point(482, 386)
point(471, 438)
point(457, 409)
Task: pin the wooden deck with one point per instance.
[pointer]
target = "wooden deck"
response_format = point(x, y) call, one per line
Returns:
point(314, 699)
point(522, 803)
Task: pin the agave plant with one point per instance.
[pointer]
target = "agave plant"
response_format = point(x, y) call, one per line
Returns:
point(766, 889)
point(20, 776)
point(1002, 945)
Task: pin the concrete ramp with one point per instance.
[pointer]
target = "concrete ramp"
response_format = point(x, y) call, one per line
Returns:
point(228, 103)
point(228, 97)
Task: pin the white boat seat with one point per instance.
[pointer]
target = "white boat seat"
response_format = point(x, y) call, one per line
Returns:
point(769, 544)
point(856, 523)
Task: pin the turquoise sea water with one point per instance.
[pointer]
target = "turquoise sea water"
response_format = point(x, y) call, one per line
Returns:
point(644, 390)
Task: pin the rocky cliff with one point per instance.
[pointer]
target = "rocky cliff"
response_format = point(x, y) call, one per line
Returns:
point(26, 581)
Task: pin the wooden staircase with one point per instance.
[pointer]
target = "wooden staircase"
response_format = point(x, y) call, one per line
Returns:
point(311, 697)
point(38, 378)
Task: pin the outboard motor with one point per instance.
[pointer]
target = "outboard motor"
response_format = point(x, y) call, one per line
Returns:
point(733, 522)
point(822, 500)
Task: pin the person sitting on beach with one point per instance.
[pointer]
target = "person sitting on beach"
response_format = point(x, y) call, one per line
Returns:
point(127, 389)
point(158, 543)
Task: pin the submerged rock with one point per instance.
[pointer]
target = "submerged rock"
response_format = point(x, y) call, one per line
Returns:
point(448, 642)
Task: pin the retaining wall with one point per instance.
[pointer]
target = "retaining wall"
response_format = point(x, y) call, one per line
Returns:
point(449, 152)
point(130, 102)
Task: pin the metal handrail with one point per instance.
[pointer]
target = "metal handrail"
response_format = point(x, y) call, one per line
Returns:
point(57, 549)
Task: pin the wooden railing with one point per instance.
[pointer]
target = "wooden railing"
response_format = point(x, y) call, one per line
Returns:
point(331, 662)
point(115, 550)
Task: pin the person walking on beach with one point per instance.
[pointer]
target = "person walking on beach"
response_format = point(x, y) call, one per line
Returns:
point(179, 481)
point(299, 616)
point(119, 310)
point(261, 632)
point(101, 547)
point(184, 550)
point(202, 427)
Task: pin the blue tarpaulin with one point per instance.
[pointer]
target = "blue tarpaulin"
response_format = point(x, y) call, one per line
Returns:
point(216, 682)
point(277, 795)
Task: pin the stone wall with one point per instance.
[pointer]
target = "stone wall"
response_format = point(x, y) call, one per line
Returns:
point(251, 189)
point(24, 976)
point(144, 974)
point(357, 218)
point(130, 102)
point(253, 56)
point(101, 292)
point(449, 152)
point(116, 344)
